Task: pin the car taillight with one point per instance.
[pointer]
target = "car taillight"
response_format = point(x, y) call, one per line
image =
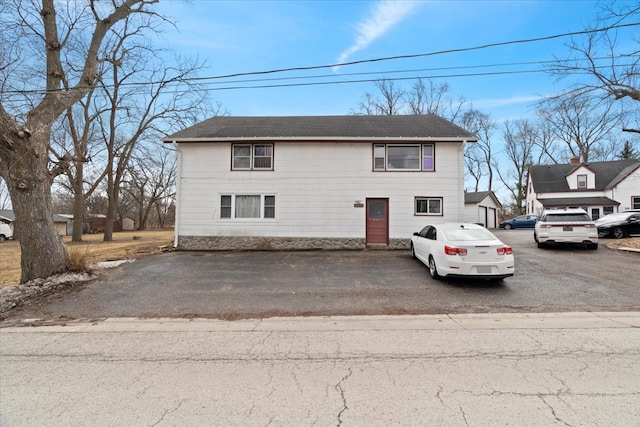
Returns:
point(451, 250)
point(505, 251)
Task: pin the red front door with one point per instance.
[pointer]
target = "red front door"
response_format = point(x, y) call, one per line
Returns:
point(377, 221)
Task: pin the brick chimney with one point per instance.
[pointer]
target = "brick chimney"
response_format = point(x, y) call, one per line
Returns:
point(575, 161)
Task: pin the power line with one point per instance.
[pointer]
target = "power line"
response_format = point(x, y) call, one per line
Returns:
point(364, 61)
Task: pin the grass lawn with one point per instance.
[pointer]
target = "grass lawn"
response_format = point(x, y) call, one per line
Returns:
point(125, 245)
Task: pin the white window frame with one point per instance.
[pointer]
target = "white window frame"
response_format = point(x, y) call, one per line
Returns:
point(428, 199)
point(228, 212)
point(635, 202)
point(381, 158)
point(585, 184)
point(253, 156)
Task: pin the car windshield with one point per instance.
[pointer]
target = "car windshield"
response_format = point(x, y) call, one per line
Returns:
point(564, 217)
point(468, 234)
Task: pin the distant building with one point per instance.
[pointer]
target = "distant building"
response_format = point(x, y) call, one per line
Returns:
point(482, 207)
point(600, 188)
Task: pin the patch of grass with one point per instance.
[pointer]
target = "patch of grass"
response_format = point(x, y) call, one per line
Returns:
point(79, 259)
point(90, 251)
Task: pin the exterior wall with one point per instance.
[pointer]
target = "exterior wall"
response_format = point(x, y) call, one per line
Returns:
point(572, 179)
point(320, 190)
point(629, 187)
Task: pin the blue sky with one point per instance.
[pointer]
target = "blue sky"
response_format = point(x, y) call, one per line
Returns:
point(250, 36)
point(253, 36)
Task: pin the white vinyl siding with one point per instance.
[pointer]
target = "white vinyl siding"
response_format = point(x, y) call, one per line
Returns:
point(319, 190)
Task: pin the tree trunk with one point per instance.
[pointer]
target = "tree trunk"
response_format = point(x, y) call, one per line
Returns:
point(78, 203)
point(24, 168)
point(112, 207)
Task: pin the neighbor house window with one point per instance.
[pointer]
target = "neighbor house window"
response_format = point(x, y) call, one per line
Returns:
point(394, 157)
point(428, 206)
point(582, 181)
point(606, 210)
point(252, 157)
point(255, 206)
point(635, 202)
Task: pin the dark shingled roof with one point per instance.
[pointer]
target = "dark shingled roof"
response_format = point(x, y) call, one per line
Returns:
point(323, 127)
point(552, 178)
point(477, 197)
point(562, 202)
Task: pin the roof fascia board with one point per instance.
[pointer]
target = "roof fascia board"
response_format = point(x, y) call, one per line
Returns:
point(324, 139)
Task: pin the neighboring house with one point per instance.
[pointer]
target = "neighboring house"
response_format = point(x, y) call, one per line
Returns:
point(59, 221)
point(482, 207)
point(316, 182)
point(600, 188)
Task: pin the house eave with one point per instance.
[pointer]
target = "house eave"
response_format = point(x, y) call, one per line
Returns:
point(401, 139)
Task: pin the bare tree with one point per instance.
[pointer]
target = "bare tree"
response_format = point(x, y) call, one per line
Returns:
point(612, 61)
point(583, 125)
point(64, 73)
point(478, 156)
point(74, 141)
point(143, 99)
point(151, 180)
point(388, 103)
point(520, 142)
point(434, 98)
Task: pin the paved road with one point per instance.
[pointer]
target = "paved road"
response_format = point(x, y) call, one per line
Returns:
point(232, 285)
point(572, 369)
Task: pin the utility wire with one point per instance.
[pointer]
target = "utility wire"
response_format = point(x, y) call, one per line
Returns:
point(365, 61)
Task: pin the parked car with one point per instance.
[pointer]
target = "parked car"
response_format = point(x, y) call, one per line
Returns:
point(619, 225)
point(522, 221)
point(5, 231)
point(566, 226)
point(454, 250)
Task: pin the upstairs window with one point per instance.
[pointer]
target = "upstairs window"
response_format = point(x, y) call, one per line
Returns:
point(582, 181)
point(394, 157)
point(252, 157)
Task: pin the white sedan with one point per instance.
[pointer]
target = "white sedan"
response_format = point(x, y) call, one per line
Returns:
point(469, 250)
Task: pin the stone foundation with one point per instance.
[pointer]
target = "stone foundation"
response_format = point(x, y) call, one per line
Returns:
point(252, 243)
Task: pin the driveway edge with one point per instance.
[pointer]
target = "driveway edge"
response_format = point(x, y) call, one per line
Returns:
point(497, 321)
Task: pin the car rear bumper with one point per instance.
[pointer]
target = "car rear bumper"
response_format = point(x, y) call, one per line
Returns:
point(477, 270)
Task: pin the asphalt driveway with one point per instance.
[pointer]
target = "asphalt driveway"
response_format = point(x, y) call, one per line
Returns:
point(231, 285)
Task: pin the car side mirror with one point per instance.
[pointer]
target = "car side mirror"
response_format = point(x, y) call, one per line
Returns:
point(416, 234)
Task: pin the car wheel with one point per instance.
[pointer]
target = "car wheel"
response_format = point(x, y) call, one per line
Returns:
point(2, 238)
point(593, 246)
point(507, 227)
point(433, 271)
point(535, 237)
point(618, 232)
point(540, 245)
point(413, 252)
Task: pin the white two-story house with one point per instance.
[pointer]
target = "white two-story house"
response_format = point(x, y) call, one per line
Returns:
point(316, 182)
point(600, 188)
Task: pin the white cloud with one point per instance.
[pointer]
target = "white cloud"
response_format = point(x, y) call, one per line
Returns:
point(501, 102)
point(382, 18)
